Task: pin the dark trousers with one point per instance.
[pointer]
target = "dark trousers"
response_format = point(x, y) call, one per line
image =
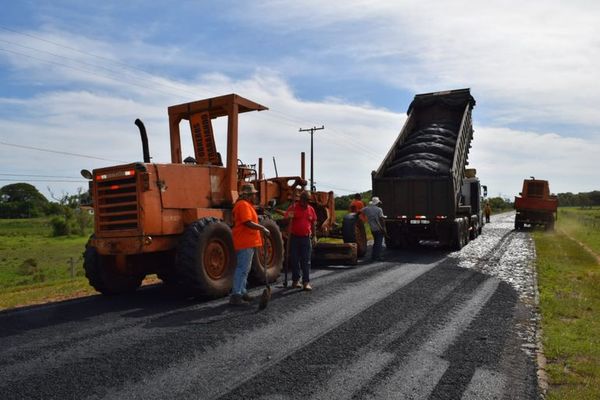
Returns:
point(487, 217)
point(300, 249)
point(377, 241)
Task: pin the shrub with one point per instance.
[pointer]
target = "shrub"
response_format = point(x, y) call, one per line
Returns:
point(60, 226)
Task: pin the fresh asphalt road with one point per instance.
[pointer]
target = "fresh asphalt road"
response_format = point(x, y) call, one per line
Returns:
point(424, 324)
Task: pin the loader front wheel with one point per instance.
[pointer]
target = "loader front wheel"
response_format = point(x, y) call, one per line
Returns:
point(353, 231)
point(274, 254)
point(205, 259)
point(104, 276)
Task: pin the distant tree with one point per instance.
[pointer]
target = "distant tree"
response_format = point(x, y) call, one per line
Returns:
point(499, 203)
point(70, 218)
point(343, 202)
point(21, 200)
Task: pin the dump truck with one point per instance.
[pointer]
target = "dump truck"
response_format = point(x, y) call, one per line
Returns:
point(174, 219)
point(421, 181)
point(535, 206)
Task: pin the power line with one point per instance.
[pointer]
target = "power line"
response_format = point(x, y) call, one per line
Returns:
point(43, 176)
point(59, 152)
point(282, 116)
point(41, 180)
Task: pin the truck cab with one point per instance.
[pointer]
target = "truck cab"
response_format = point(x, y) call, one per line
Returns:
point(535, 206)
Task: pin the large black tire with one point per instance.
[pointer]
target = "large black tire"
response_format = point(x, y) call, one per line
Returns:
point(274, 254)
point(205, 260)
point(353, 231)
point(518, 225)
point(459, 238)
point(103, 275)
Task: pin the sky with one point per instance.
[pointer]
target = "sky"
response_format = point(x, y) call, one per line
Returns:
point(75, 75)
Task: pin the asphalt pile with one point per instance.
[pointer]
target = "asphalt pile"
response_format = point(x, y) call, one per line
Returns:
point(428, 151)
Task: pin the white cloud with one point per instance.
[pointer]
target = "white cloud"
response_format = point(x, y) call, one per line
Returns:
point(504, 157)
point(535, 61)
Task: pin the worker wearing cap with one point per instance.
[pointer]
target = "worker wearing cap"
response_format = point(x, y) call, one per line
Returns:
point(302, 230)
point(246, 238)
point(375, 216)
point(487, 210)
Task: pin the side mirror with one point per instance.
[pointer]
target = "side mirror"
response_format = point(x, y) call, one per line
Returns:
point(484, 190)
point(86, 174)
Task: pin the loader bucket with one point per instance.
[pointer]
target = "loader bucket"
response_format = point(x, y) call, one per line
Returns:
point(334, 254)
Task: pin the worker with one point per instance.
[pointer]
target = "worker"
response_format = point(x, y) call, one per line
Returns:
point(357, 204)
point(303, 220)
point(246, 238)
point(375, 217)
point(487, 211)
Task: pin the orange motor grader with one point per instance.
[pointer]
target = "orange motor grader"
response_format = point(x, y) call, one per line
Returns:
point(174, 219)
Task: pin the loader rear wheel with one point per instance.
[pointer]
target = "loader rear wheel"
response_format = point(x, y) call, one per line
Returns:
point(274, 254)
point(103, 275)
point(205, 259)
point(353, 231)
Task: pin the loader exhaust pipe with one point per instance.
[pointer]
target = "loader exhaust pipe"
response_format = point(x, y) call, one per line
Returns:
point(144, 136)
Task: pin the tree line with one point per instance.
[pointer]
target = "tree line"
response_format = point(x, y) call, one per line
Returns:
point(22, 200)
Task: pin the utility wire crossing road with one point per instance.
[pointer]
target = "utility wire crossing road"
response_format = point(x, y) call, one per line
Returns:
point(423, 324)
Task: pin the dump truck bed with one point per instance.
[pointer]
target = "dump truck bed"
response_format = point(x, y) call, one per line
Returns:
point(422, 172)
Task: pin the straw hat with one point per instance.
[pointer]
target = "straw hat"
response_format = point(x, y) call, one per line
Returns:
point(247, 188)
point(374, 201)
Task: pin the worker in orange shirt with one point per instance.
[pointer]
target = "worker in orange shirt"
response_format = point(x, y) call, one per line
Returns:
point(357, 204)
point(246, 238)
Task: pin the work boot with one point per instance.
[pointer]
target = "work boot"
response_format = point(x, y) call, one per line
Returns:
point(236, 300)
point(306, 286)
point(296, 285)
point(246, 297)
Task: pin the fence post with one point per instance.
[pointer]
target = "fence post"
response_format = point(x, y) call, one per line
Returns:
point(71, 262)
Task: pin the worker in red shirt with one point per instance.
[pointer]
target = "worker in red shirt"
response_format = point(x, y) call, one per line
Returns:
point(302, 232)
point(246, 238)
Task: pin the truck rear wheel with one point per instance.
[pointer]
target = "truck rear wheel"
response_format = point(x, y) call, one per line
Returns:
point(353, 231)
point(274, 254)
point(103, 275)
point(518, 225)
point(205, 259)
point(459, 237)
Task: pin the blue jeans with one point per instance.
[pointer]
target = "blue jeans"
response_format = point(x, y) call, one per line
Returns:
point(300, 249)
point(377, 241)
point(240, 276)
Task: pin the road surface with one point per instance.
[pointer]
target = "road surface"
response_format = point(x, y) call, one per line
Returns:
point(423, 324)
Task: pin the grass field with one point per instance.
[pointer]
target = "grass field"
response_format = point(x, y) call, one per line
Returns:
point(34, 266)
point(569, 285)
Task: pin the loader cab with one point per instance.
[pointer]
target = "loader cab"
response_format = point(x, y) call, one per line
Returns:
point(200, 115)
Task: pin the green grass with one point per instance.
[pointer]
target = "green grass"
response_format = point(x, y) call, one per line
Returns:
point(569, 285)
point(31, 260)
point(581, 224)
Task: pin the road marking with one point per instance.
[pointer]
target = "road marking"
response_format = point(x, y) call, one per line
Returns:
point(220, 369)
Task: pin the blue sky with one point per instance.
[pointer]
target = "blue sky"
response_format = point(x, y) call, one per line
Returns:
point(75, 75)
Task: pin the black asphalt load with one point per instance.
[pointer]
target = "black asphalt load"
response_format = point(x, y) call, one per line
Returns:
point(418, 325)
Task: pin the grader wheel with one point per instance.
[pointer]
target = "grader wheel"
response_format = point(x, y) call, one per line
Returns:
point(353, 231)
point(274, 254)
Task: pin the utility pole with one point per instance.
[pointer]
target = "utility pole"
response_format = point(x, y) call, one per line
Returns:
point(312, 131)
